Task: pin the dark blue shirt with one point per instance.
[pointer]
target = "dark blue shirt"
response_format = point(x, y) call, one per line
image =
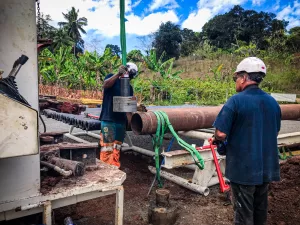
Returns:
point(107, 113)
point(251, 121)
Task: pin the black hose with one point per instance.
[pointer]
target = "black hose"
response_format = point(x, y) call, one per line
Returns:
point(43, 122)
point(92, 125)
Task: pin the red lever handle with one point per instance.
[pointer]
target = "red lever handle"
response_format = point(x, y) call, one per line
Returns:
point(223, 186)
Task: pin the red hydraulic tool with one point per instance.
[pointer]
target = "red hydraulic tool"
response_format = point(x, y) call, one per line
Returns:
point(223, 186)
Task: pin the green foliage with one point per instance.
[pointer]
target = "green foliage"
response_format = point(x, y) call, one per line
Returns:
point(69, 33)
point(247, 50)
point(74, 25)
point(162, 68)
point(207, 51)
point(167, 39)
point(115, 49)
point(61, 38)
point(135, 56)
point(293, 40)
point(86, 71)
point(206, 91)
point(239, 24)
point(190, 42)
point(287, 81)
point(46, 30)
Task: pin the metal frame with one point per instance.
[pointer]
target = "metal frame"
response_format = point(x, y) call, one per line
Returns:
point(202, 179)
point(45, 203)
point(127, 146)
point(288, 139)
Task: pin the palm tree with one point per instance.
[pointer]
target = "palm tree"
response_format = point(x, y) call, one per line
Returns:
point(74, 25)
point(61, 38)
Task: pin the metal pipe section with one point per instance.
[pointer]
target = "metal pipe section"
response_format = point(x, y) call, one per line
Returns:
point(194, 118)
point(196, 134)
point(290, 112)
point(181, 119)
point(126, 147)
point(65, 173)
point(181, 181)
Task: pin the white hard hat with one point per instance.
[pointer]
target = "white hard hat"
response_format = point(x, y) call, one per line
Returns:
point(132, 69)
point(251, 65)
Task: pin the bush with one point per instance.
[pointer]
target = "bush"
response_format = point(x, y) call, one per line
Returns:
point(205, 91)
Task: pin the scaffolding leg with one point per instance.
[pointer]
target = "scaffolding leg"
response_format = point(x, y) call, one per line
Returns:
point(119, 206)
point(71, 129)
point(47, 213)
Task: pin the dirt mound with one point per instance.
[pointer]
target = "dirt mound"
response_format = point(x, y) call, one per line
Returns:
point(284, 196)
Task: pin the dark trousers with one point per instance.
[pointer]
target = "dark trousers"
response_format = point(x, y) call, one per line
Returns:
point(250, 203)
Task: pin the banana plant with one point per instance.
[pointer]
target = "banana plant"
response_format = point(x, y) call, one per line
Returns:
point(164, 69)
point(53, 64)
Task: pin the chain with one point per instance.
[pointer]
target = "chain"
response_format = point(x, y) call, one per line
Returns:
point(39, 20)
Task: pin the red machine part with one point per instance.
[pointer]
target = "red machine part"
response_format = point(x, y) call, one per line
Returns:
point(223, 186)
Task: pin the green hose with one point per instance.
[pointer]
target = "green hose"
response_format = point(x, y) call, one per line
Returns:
point(123, 31)
point(163, 124)
point(284, 156)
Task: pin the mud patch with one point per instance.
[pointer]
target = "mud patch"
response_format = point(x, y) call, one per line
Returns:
point(284, 196)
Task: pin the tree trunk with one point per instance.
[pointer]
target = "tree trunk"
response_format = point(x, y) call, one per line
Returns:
point(152, 94)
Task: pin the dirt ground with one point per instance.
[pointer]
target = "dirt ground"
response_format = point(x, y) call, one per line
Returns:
point(284, 196)
point(284, 200)
point(194, 208)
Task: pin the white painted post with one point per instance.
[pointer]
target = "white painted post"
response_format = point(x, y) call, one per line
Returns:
point(119, 206)
point(47, 213)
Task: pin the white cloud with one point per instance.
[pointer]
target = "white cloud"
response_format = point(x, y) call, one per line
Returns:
point(294, 23)
point(196, 20)
point(206, 10)
point(284, 13)
point(135, 24)
point(150, 23)
point(136, 3)
point(170, 4)
point(276, 6)
point(291, 13)
point(217, 6)
point(105, 19)
point(258, 2)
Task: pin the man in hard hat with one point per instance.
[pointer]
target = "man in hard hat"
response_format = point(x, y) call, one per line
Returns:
point(113, 124)
point(249, 122)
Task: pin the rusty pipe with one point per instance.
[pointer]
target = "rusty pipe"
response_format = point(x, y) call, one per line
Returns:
point(290, 112)
point(181, 119)
point(186, 119)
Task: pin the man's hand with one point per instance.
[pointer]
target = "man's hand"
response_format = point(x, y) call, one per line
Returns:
point(220, 136)
point(122, 70)
point(214, 141)
point(141, 108)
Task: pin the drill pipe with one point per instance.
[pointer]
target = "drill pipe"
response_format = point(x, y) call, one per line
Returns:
point(82, 123)
point(92, 125)
point(72, 121)
point(194, 118)
point(69, 119)
point(77, 122)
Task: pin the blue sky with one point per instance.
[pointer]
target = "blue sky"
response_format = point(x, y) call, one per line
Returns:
point(145, 16)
